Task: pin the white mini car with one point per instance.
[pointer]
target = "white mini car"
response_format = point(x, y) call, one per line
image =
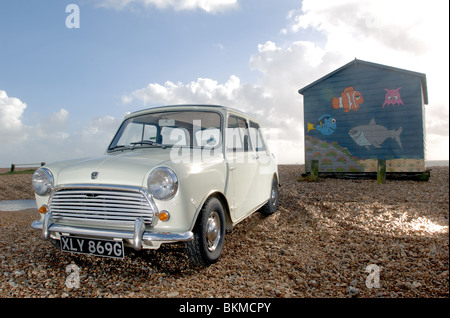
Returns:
point(182, 173)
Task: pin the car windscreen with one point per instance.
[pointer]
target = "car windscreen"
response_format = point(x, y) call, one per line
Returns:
point(169, 129)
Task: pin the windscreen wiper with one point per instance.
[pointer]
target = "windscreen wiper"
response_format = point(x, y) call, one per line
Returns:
point(148, 142)
point(120, 147)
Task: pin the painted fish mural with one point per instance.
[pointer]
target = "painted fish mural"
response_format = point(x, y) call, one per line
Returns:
point(325, 124)
point(393, 97)
point(349, 100)
point(374, 135)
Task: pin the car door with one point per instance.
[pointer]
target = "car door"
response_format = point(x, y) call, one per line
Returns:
point(242, 166)
point(262, 157)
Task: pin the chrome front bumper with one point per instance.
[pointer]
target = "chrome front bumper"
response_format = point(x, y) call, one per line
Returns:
point(139, 237)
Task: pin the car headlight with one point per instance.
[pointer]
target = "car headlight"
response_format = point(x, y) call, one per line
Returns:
point(162, 183)
point(42, 181)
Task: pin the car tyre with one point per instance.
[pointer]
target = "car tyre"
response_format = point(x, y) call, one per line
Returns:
point(209, 234)
point(272, 205)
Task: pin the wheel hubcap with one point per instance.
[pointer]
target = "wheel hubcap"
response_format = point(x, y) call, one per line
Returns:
point(213, 231)
point(273, 196)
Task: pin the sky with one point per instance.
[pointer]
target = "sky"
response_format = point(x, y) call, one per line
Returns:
point(71, 70)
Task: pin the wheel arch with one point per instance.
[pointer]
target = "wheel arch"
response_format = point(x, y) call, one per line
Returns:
point(223, 200)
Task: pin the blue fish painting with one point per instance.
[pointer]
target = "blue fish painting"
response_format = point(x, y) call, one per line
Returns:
point(325, 125)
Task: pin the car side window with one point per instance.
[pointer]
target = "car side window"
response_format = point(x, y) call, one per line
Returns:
point(237, 134)
point(256, 137)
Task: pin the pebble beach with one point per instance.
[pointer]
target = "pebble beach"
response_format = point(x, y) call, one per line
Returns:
point(333, 238)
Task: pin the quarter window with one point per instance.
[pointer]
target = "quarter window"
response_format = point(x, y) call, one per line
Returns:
point(237, 134)
point(256, 137)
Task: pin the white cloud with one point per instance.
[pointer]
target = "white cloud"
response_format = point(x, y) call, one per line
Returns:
point(220, 46)
point(412, 35)
point(11, 126)
point(209, 6)
point(203, 90)
point(90, 139)
point(49, 139)
point(401, 26)
point(57, 120)
point(94, 137)
point(437, 131)
point(394, 23)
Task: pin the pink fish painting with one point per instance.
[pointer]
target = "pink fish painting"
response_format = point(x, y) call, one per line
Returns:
point(393, 97)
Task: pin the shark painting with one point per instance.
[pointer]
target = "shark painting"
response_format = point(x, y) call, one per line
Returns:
point(374, 135)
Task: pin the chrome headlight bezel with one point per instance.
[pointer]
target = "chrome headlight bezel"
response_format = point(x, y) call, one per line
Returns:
point(42, 181)
point(162, 183)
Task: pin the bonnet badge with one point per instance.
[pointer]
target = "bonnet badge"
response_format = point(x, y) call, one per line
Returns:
point(94, 175)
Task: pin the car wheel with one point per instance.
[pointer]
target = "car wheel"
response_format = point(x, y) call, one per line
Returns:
point(272, 205)
point(209, 234)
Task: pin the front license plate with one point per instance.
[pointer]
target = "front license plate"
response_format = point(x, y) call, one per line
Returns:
point(107, 248)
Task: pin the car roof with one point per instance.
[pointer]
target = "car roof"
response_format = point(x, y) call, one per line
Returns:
point(190, 107)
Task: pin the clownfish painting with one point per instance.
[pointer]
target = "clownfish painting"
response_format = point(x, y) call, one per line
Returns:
point(325, 124)
point(349, 100)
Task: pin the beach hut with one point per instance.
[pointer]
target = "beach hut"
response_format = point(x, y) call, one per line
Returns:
point(362, 114)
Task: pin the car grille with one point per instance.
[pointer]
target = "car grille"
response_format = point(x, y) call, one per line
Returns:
point(105, 205)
